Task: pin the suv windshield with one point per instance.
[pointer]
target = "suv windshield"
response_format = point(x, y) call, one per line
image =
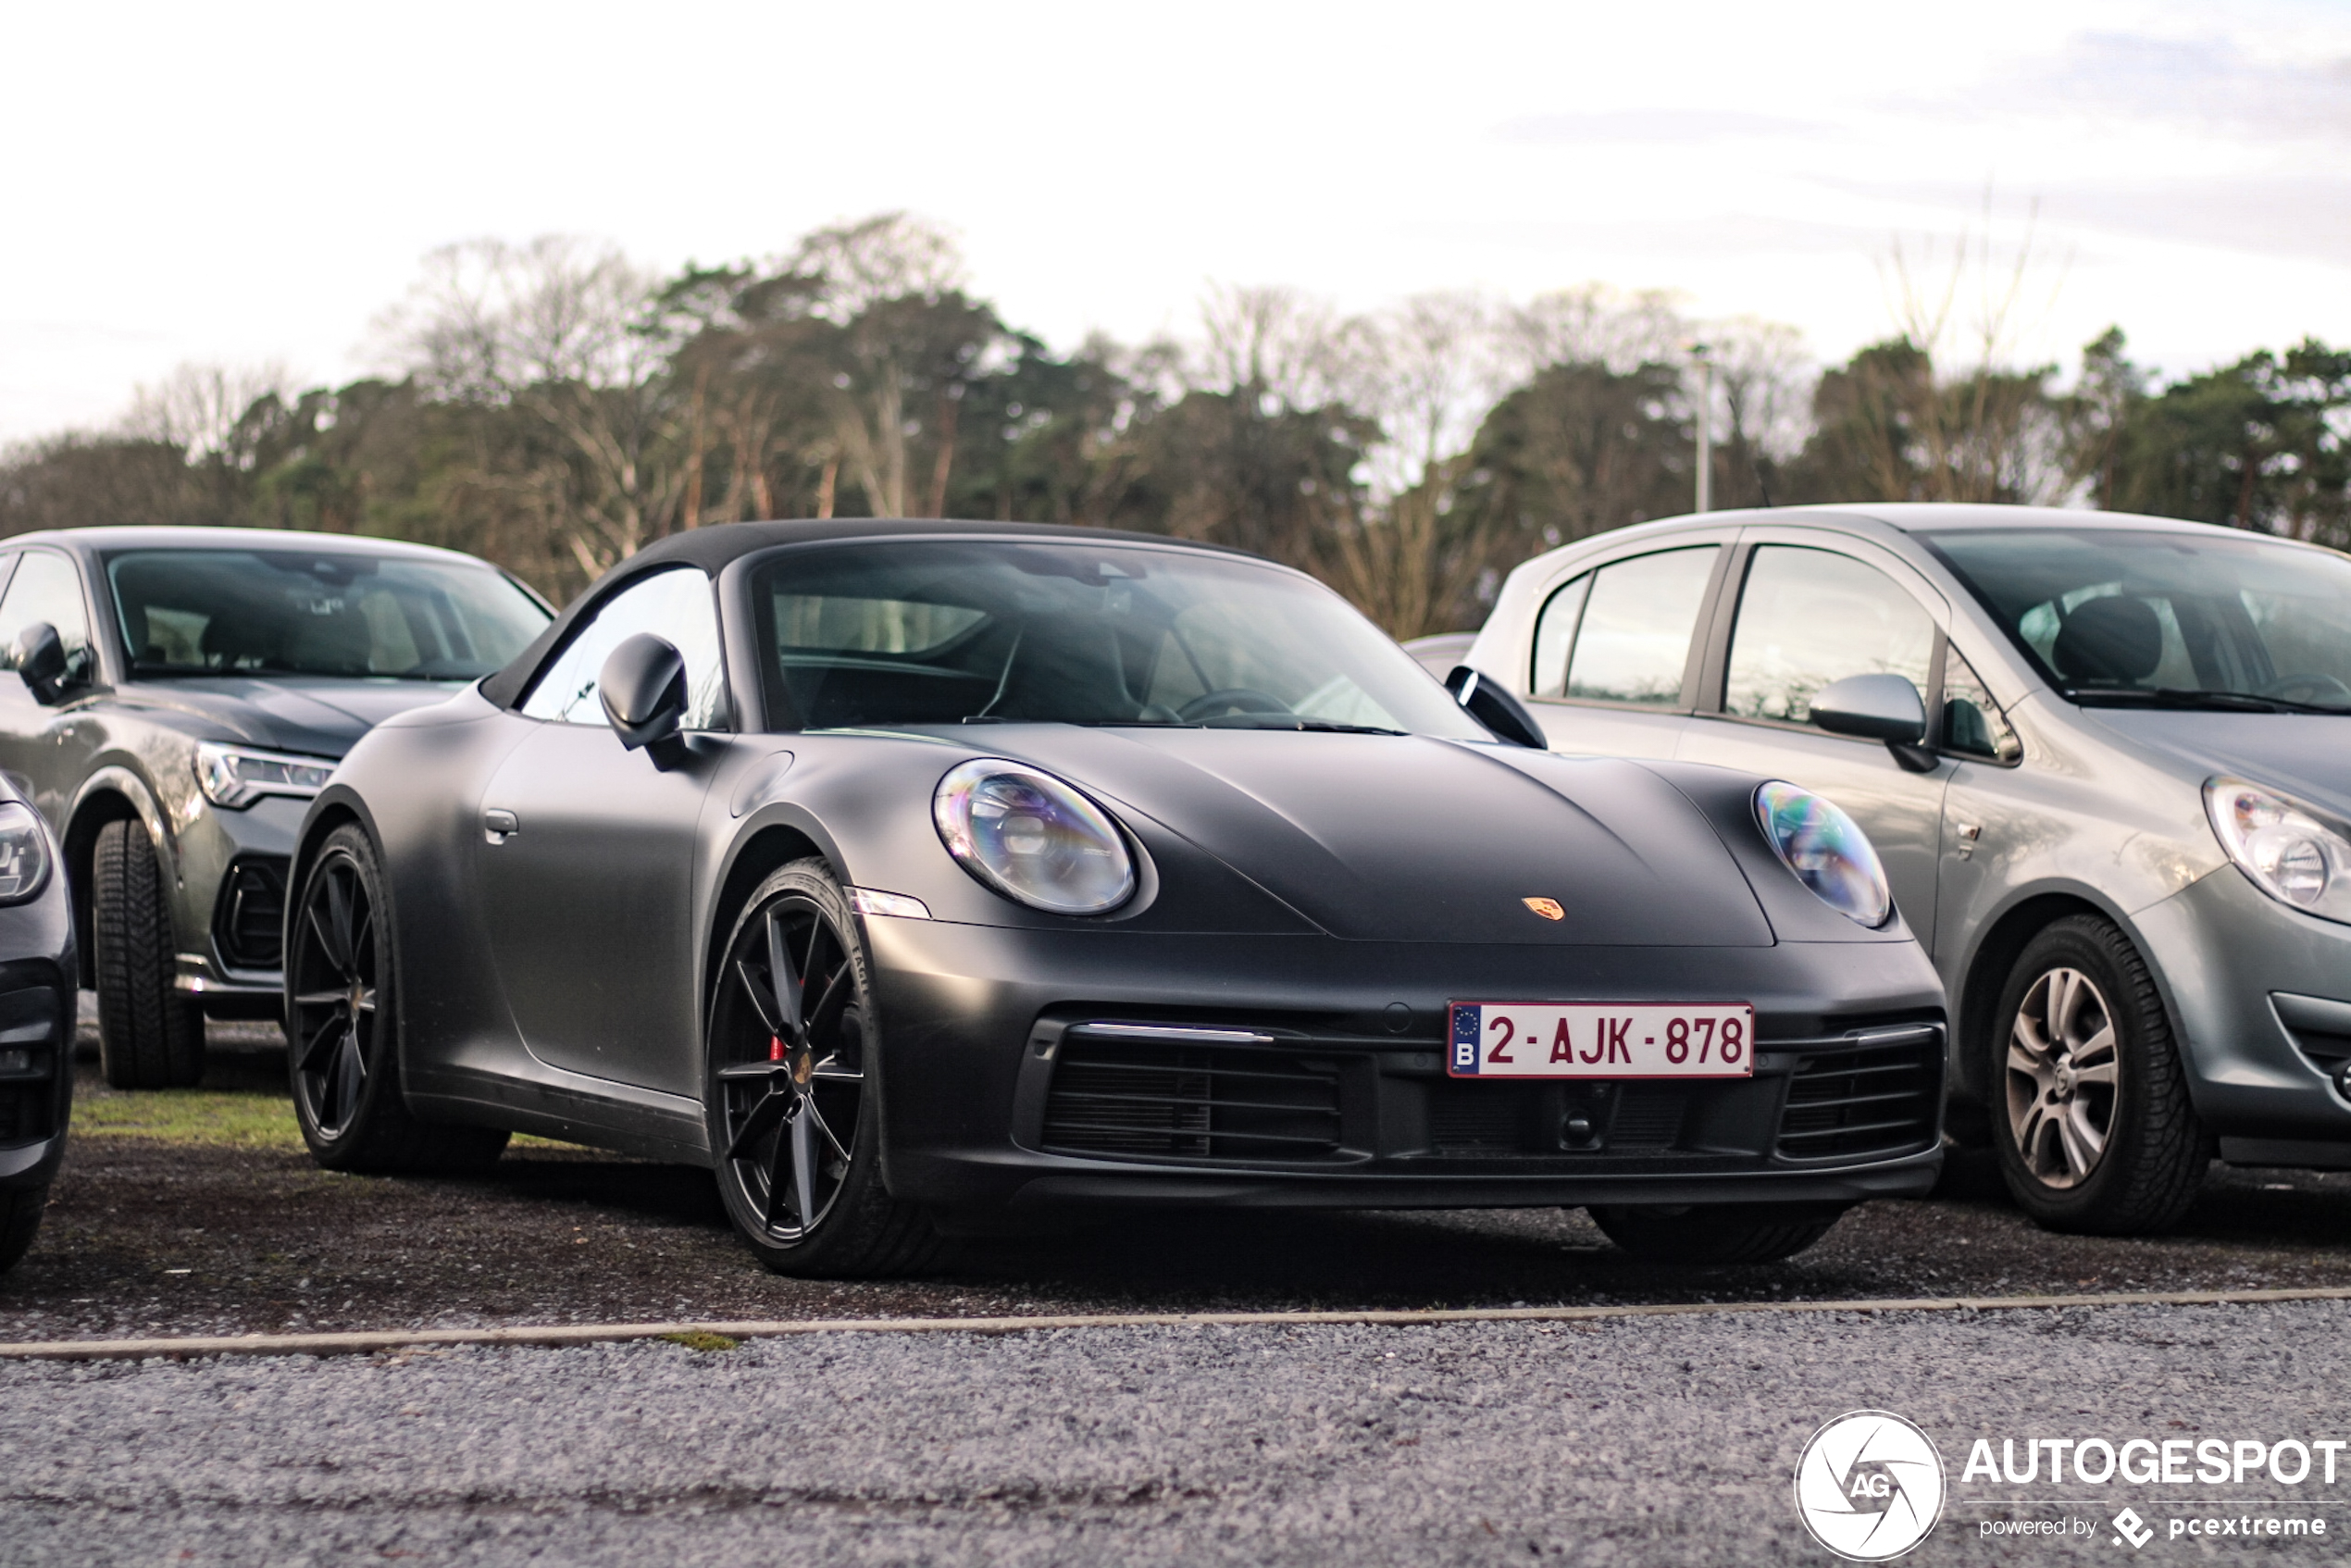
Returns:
point(945, 632)
point(2216, 620)
point(328, 613)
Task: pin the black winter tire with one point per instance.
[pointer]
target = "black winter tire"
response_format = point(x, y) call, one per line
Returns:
point(19, 1217)
point(149, 1036)
point(794, 1089)
point(342, 1028)
point(1715, 1234)
point(2090, 1110)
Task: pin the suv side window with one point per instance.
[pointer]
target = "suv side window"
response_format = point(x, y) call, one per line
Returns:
point(46, 588)
point(1809, 617)
point(673, 604)
point(1631, 641)
point(1972, 723)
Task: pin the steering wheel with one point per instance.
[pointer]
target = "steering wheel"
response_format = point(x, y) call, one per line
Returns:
point(1230, 700)
point(2306, 688)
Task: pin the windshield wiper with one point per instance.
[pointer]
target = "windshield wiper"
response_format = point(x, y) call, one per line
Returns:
point(2189, 697)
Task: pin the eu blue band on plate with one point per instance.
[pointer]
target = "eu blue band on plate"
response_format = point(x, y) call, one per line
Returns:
point(1469, 1028)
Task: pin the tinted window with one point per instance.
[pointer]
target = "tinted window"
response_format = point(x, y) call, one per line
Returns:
point(674, 606)
point(338, 612)
point(1972, 723)
point(1632, 643)
point(47, 587)
point(925, 633)
point(1554, 635)
point(1808, 618)
point(2114, 615)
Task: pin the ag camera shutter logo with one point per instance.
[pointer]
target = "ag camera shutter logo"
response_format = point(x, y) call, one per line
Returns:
point(1870, 1486)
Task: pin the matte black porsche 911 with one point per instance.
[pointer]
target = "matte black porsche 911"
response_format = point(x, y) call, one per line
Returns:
point(918, 877)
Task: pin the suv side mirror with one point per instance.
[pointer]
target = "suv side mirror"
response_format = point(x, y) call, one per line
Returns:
point(642, 686)
point(1878, 707)
point(41, 660)
point(1491, 706)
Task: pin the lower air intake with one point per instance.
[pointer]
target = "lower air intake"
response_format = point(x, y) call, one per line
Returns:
point(1154, 1099)
point(1876, 1096)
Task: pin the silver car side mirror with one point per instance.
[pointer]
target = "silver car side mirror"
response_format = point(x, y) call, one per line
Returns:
point(1877, 707)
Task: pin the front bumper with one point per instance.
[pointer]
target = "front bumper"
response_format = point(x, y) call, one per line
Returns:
point(230, 905)
point(36, 1069)
point(2257, 988)
point(1306, 1071)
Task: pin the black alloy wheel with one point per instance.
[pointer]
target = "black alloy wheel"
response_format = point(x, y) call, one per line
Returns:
point(149, 1034)
point(793, 1090)
point(20, 1218)
point(2090, 1111)
point(1715, 1234)
point(341, 1026)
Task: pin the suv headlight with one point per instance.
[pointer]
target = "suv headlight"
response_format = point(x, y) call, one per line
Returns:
point(1827, 851)
point(2288, 851)
point(1033, 838)
point(24, 853)
point(235, 777)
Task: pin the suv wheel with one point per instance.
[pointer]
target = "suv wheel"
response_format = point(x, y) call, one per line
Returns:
point(2090, 1110)
point(149, 1036)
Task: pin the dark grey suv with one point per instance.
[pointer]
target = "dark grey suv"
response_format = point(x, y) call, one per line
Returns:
point(182, 692)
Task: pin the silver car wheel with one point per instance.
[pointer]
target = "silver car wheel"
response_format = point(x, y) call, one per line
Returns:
point(2063, 1072)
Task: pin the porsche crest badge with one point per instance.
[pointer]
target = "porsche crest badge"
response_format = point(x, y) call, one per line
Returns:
point(1548, 908)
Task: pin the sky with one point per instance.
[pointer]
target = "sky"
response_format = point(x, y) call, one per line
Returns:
point(242, 184)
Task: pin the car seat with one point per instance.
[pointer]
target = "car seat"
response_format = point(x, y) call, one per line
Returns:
point(2109, 641)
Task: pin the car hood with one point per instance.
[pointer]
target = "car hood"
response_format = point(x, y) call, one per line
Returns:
point(2304, 755)
point(1386, 838)
point(317, 717)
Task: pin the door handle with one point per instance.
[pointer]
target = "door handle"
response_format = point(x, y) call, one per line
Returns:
point(498, 825)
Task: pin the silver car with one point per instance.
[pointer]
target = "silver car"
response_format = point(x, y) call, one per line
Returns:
point(2105, 759)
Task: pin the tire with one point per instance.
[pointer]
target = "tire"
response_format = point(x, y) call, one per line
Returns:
point(149, 1036)
point(342, 1013)
point(793, 1090)
point(2093, 1124)
point(1713, 1234)
point(19, 1217)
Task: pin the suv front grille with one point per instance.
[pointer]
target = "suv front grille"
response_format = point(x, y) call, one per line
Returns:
point(1192, 1100)
point(1877, 1096)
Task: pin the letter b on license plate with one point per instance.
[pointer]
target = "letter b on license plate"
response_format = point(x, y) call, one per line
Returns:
point(1599, 1040)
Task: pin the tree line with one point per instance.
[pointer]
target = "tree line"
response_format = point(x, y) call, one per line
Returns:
point(554, 408)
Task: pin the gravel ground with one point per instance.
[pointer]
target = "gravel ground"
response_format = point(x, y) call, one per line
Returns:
point(146, 1237)
point(1655, 1440)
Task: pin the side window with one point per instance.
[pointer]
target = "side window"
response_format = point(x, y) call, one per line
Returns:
point(1972, 723)
point(46, 588)
point(1554, 635)
point(1632, 643)
point(675, 605)
point(1809, 617)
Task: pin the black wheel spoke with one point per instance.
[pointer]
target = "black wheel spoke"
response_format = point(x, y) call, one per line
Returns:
point(804, 1162)
point(808, 1113)
point(317, 1053)
point(326, 941)
point(829, 1003)
point(764, 1118)
point(778, 1164)
point(322, 998)
point(339, 949)
point(767, 1020)
point(350, 1077)
point(748, 1072)
point(783, 977)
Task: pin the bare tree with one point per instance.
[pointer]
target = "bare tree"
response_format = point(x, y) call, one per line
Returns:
point(199, 408)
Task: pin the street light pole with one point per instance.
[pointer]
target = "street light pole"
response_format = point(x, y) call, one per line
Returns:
point(1705, 426)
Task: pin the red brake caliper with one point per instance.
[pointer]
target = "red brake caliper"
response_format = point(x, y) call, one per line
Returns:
point(775, 1048)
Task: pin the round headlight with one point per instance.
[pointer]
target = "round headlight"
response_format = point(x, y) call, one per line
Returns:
point(1033, 839)
point(2289, 850)
point(24, 853)
point(1827, 851)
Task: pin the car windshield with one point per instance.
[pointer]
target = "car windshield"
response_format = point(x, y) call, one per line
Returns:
point(324, 612)
point(918, 631)
point(2203, 620)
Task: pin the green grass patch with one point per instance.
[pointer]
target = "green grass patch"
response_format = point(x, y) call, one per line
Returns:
point(206, 1117)
point(701, 1340)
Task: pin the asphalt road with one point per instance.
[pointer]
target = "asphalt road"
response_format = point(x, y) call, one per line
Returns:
point(1667, 1441)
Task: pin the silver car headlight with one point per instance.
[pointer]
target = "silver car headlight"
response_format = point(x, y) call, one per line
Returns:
point(1033, 838)
point(2289, 852)
point(24, 853)
point(1827, 851)
point(235, 777)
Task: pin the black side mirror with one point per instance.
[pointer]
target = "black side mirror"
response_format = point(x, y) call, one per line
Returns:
point(1489, 703)
point(643, 688)
point(1878, 707)
point(41, 660)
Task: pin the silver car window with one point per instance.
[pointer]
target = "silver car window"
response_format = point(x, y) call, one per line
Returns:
point(1972, 723)
point(1632, 643)
point(1809, 617)
point(675, 605)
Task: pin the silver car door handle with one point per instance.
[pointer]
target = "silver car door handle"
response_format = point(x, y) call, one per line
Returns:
point(498, 826)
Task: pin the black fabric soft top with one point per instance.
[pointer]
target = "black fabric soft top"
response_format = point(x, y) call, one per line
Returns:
point(715, 547)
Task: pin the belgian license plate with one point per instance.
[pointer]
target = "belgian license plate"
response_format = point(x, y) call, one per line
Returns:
point(1599, 1040)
